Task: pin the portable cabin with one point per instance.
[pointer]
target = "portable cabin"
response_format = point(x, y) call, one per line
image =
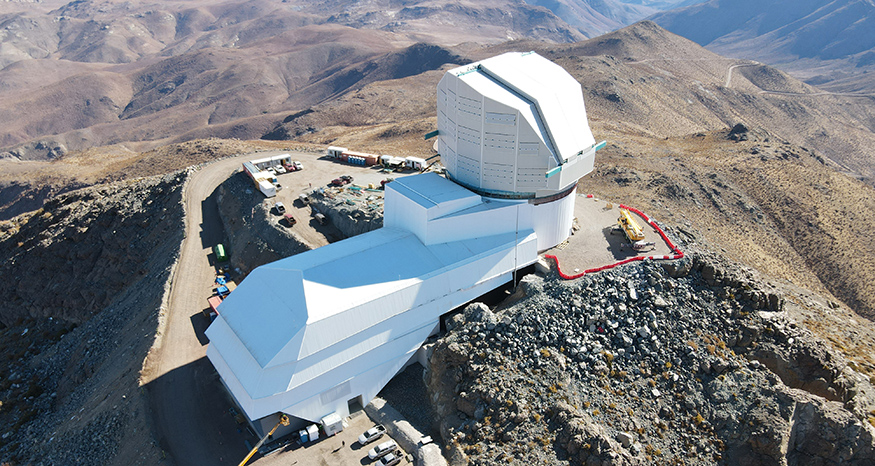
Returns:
point(267, 188)
point(332, 424)
point(335, 152)
point(415, 163)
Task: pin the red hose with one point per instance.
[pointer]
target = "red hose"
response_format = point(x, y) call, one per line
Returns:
point(678, 254)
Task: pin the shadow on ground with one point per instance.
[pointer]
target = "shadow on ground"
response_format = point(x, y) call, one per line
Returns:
point(191, 416)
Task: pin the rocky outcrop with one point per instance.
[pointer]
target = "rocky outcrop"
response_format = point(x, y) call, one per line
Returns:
point(693, 361)
point(351, 219)
point(253, 239)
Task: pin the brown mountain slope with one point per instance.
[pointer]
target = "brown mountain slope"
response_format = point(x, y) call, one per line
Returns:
point(114, 71)
point(821, 42)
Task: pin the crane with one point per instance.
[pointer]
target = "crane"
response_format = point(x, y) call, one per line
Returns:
point(284, 420)
point(630, 227)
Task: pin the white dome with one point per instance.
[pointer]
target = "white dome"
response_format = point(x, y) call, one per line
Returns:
point(513, 126)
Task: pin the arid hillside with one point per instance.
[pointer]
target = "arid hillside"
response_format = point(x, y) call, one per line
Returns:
point(825, 43)
point(92, 73)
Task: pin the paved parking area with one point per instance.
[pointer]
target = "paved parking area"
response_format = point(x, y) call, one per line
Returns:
point(342, 449)
point(317, 173)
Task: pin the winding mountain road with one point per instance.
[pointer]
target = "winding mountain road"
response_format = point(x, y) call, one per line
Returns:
point(177, 375)
point(727, 83)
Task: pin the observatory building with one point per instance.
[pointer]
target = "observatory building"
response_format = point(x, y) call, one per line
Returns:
point(320, 332)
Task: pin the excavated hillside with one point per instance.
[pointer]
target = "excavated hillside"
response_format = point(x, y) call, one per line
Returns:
point(86, 277)
point(96, 244)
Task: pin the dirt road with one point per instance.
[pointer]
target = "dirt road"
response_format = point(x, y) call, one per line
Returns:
point(177, 374)
point(189, 407)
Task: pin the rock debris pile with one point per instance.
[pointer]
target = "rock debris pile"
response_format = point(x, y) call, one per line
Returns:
point(689, 362)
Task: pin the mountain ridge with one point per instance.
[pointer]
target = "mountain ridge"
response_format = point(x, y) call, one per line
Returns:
point(834, 38)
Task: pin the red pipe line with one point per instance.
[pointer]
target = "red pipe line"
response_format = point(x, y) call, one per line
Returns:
point(678, 254)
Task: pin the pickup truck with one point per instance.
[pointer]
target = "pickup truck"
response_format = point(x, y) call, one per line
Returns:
point(382, 449)
point(372, 434)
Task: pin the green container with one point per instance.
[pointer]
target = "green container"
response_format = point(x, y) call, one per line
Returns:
point(219, 251)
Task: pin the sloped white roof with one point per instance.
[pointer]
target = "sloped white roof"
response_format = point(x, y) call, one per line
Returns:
point(556, 95)
point(431, 191)
point(293, 322)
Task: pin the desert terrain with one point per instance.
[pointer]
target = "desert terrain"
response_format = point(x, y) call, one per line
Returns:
point(765, 180)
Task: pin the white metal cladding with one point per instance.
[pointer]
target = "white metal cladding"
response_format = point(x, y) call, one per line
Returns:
point(506, 121)
point(348, 316)
point(306, 334)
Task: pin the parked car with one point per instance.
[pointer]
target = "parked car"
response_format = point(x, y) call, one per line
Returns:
point(372, 434)
point(391, 459)
point(337, 182)
point(290, 220)
point(280, 208)
point(346, 178)
point(280, 169)
point(382, 449)
point(298, 165)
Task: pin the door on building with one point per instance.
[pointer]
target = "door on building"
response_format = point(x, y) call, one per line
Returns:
point(355, 404)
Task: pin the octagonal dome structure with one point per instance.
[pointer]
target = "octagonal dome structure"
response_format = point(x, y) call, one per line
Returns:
point(513, 126)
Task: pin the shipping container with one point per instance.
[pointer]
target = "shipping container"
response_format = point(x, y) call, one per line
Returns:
point(415, 163)
point(219, 251)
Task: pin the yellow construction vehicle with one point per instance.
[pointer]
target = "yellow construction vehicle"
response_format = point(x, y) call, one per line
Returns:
point(284, 420)
point(630, 227)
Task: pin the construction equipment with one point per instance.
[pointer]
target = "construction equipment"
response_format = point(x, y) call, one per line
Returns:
point(630, 227)
point(642, 245)
point(284, 420)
